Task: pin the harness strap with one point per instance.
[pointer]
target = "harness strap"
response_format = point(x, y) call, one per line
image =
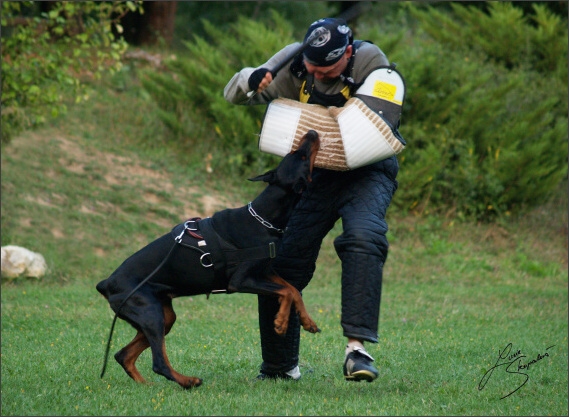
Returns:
point(346, 76)
point(258, 252)
point(226, 256)
point(190, 228)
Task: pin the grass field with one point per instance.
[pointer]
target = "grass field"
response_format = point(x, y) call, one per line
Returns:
point(91, 189)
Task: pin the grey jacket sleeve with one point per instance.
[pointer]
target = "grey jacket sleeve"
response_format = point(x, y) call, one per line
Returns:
point(237, 88)
point(368, 58)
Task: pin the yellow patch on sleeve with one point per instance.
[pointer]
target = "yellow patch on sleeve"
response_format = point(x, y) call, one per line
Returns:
point(385, 91)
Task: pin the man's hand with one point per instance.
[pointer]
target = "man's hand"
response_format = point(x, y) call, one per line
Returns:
point(260, 79)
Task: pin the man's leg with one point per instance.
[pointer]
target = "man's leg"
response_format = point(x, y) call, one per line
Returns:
point(362, 248)
point(311, 220)
point(280, 353)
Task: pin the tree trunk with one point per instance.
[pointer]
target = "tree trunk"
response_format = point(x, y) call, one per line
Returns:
point(156, 23)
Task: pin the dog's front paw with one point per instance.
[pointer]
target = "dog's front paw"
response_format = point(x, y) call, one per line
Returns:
point(314, 330)
point(281, 326)
point(310, 326)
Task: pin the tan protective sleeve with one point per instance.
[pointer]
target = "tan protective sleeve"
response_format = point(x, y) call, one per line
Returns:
point(350, 136)
point(287, 121)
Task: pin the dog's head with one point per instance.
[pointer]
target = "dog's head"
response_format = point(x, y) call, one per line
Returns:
point(294, 171)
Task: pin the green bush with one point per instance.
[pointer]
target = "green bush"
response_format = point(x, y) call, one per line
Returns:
point(49, 57)
point(485, 116)
point(190, 92)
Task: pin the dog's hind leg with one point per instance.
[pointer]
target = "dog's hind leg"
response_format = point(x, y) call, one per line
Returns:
point(289, 295)
point(128, 355)
point(169, 319)
point(153, 318)
point(160, 362)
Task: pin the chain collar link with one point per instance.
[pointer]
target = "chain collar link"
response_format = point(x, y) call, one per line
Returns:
point(261, 220)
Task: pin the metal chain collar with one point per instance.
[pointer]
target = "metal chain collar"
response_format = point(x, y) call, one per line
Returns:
point(263, 221)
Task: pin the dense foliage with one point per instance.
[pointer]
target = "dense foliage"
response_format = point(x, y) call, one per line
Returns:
point(191, 93)
point(47, 56)
point(486, 115)
point(486, 110)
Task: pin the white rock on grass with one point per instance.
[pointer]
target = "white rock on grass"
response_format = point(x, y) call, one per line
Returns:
point(18, 261)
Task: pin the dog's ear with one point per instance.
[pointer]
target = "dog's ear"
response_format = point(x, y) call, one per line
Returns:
point(267, 176)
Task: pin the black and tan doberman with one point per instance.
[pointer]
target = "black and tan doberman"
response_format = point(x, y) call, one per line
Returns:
point(230, 251)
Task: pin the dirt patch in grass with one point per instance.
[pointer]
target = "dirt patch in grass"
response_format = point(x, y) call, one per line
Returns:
point(62, 184)
point(130, 171)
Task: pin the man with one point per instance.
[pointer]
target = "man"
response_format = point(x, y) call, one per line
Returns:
point(328, 72)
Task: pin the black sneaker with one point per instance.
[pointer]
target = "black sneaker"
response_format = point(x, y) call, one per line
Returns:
point(293, 374)
point(358, 367)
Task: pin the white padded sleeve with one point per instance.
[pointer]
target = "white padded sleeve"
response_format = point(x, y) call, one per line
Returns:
point(384, 84)
point(350, 137)
point(279, 128)
point(366, 136)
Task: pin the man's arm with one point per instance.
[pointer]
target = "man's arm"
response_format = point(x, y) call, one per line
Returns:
point(237, 88)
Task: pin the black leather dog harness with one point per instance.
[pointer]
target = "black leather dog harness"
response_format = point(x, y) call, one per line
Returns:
point(216, 251)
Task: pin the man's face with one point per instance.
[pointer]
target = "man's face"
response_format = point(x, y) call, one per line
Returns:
point(329, 73)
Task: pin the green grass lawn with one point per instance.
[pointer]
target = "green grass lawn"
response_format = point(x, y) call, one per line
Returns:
point(91, 189)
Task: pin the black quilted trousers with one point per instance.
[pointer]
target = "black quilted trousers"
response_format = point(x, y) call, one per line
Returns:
point(360, 198)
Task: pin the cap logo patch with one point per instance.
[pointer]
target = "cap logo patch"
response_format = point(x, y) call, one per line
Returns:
point(322, 36)
point(332, 55)
point(343, 29)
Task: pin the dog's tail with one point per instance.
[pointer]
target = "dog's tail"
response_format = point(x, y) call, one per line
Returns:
point(144, 281)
